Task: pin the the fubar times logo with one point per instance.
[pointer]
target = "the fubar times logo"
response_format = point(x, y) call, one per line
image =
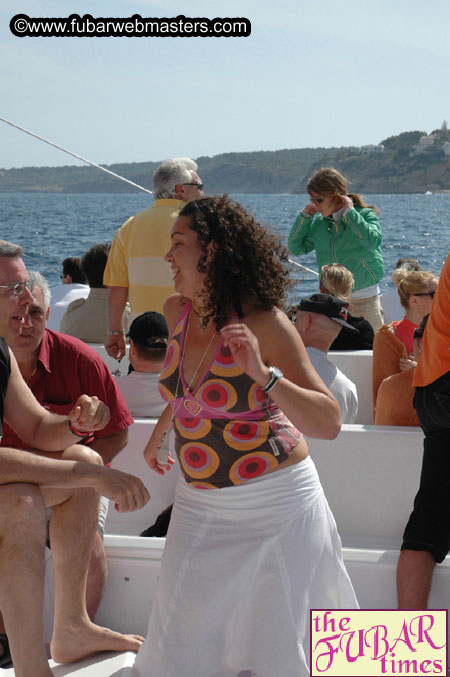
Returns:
point(378, 643)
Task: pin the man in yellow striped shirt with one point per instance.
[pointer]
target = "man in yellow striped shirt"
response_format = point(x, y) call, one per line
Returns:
point(136, 268)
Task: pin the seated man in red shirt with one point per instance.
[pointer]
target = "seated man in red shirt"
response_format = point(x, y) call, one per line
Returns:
point(58, 369)
point(54, 471)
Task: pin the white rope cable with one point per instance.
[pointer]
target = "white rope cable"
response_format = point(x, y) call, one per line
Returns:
point(79, 157)
point(42, 263)
point(117, 176)
point(304, 267)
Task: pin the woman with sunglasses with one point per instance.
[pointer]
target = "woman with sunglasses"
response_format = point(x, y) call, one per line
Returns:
point(342, 228)
point(393, 344)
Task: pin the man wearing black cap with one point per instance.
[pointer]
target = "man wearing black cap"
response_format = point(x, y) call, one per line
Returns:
point(148, 343)
point(319, 320)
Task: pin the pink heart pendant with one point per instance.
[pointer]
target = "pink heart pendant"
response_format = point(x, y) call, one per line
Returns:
point(193, 408)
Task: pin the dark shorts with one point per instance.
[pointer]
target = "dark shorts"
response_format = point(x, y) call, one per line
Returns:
point(428, 527)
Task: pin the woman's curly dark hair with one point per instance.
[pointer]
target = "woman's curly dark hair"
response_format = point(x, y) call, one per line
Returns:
point(248, 264)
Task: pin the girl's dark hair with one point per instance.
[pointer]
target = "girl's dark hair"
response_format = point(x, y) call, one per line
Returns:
point(72, 266)
point(247, 264)
point(328, 181)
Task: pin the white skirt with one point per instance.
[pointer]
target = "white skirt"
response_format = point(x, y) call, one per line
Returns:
point(241, 569)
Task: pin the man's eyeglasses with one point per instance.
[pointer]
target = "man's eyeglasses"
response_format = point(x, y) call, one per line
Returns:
point(17, 288)
point(199, 185)
point(426, 293)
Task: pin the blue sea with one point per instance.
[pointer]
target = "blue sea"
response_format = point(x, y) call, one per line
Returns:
point(51, 227)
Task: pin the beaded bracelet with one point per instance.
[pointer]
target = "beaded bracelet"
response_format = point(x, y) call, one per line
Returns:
point(76, 432)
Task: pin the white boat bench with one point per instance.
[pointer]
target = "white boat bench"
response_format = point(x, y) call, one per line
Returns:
point(110, 361)
point(370, 475)
point(355, 364)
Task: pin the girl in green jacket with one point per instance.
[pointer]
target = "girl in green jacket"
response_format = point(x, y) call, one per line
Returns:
point(341, 228)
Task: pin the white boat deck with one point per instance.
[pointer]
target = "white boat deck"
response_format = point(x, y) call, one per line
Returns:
point(370, 475)
point(107, 664)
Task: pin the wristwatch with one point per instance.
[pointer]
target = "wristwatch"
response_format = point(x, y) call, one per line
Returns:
point(115, 333)
point(275, 375)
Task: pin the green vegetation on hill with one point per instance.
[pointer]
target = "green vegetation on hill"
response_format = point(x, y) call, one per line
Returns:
point(408, 164)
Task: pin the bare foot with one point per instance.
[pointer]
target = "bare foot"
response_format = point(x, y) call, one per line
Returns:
point(71, 644)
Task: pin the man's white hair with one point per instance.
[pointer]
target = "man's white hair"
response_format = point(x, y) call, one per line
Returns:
point(35, 279)
point(170, 173)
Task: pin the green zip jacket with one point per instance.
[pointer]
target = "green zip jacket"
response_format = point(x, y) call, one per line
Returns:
point(353, 241)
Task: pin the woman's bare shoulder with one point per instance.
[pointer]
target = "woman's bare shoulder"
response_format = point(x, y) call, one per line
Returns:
point(274, 319)
point(172, 308)
point(273, 329)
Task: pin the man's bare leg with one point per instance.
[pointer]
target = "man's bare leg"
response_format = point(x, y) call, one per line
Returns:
point(414, 575)
point(97, 576)
point(72, 533)
point(22, 566)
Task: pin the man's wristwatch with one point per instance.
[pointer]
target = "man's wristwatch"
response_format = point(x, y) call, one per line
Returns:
point(275, 375)
point(115, 333)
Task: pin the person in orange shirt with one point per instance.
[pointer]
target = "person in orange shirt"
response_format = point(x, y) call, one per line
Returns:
point(396, 393)
point(426, 539)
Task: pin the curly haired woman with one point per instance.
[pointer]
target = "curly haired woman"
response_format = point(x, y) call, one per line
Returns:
point(252, 544)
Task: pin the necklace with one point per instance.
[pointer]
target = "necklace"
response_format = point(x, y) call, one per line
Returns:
point(203, 321)
point(163, 447)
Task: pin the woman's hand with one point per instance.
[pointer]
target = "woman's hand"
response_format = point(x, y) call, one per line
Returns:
point(244, 347)
point(151, 453)
point(310, 209)
point(156, 453)
point(345, 202)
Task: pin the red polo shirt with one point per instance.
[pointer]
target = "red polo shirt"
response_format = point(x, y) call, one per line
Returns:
point(66, 369)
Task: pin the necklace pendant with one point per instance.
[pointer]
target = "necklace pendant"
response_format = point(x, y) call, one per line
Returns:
point(194, 408)
point(202, 323)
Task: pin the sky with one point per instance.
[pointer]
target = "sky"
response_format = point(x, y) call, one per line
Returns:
point(311, 74)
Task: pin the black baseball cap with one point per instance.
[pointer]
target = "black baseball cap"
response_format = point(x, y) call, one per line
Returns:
point(326, 304)
point(149, 325)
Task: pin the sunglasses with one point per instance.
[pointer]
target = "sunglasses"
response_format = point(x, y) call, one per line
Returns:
point(426, 293)
point(199, 185)
point(318, 200)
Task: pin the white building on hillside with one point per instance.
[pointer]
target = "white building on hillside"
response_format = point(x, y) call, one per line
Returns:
point(371, 148)
point(425, 142)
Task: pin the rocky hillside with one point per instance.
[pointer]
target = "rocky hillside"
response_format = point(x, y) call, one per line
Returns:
point(412, 162)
